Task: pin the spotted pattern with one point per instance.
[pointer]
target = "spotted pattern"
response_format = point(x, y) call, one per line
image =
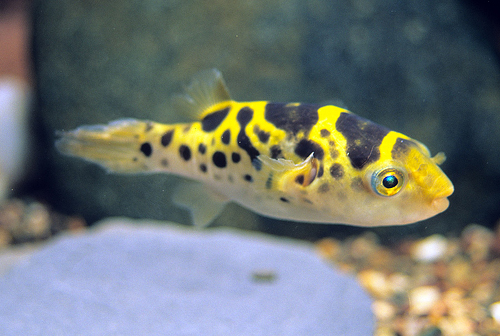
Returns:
point(292, 118)
point(337, 171)
point(203, 167)
point(363, 138)
point(202, 149)
point(248, 178)
point(324, 133)
point(146, 149)
point(244, 116)
point(269, 181)
point(211, 121)
point(262, 135)
point(149, 127)
point(226, 137)
point(235, 157)
point(166, 138)
point(275, 152)
point(285, 200)
point(185, 152)
point(401, 148)
point(321, 171)
point(324, 188)
point(357, 184)
point(305, 147)
point(219, 159)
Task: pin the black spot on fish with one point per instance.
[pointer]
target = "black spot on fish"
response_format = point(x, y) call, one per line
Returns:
point(244, 116)
point(164, 163)
point(324, 188)
point(337, 171)
point(226, 137)
point(203, 167)
point(305, 147)
point(257, 164)
point(149, 127)
point(211, 121)
point(357, 184)
point(401, 148)
point(186, 128)
point(202, 149)
point(263, 136)
point(299, 179)
point(269, 181)
point(146, 149)
point(282, 199)
point(166, 138)
point(219, 159)
point(185, 152)
point(248, 178)
point(292, 118)
point(324, 133)
point(334, 153)
point(363, 138)
point(275, 152)
point(235, 157)
point(135, 159)
point(320, 171)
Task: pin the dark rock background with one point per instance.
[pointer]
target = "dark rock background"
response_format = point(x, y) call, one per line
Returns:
point(426, 68)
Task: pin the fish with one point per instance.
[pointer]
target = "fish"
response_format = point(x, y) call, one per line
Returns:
point(299, 162)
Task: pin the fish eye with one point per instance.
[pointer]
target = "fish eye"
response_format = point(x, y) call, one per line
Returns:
point(388, 182)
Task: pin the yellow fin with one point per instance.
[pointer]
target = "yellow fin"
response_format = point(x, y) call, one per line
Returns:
point(207, 89)
point(113, 146)
point(203, 204)
point(439, 158)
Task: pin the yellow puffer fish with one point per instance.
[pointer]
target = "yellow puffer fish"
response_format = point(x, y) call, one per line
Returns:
point(291, 161)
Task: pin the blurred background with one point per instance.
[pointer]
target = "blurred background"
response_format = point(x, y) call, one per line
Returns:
point(429, 69)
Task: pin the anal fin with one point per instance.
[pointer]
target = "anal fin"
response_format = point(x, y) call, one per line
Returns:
point(203, 203)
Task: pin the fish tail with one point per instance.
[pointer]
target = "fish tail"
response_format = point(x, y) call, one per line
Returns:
point(115, 146)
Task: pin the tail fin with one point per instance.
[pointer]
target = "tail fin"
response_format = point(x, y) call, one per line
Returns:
point(116, 146)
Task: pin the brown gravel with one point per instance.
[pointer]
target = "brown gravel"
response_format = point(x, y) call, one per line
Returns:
point(26, 222)
point(432, 286)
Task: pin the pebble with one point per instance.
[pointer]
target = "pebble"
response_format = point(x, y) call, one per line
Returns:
point(383, 310)
point(22, 222)
point(375, 282)
point(436, 285)
point(430, 249)
point(495, 311)
point(422, 299)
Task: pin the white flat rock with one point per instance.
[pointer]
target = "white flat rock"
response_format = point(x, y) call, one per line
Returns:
point(132, 277)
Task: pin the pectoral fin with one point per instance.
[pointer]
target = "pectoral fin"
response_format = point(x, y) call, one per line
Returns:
point(203, 204)
point(284, 171)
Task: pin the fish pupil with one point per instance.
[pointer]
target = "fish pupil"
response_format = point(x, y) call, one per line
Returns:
point(390, 181)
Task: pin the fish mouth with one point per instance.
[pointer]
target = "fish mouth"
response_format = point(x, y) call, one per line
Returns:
point(440, 202)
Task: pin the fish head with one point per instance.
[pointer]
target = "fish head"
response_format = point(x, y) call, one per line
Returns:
point(407, 187)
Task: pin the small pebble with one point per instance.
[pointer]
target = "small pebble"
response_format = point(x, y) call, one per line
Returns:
point(495, 311)
point(383, 310)
point(375, 283)
point(429, 249)
point(422, 299)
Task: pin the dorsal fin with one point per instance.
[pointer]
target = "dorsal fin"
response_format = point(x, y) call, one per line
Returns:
point(207, 89)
